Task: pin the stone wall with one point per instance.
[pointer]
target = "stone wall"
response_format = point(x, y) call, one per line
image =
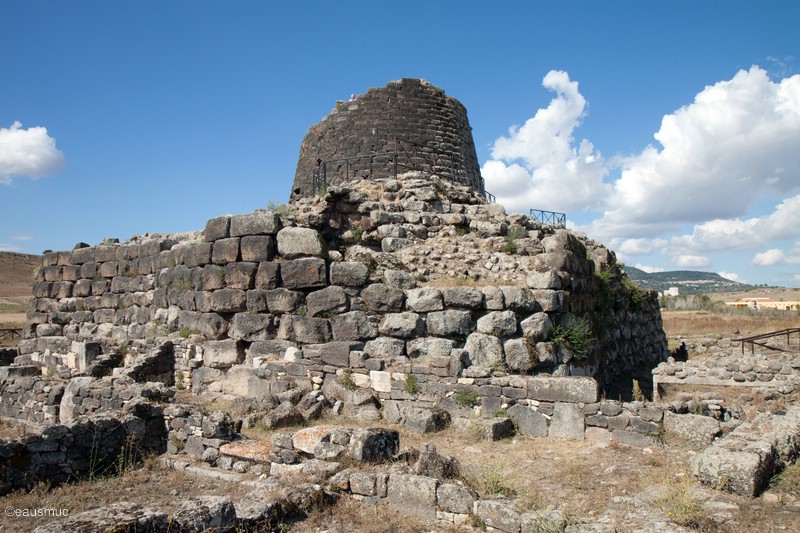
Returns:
point(410, 108)
point(258, 303)
point(89, 446)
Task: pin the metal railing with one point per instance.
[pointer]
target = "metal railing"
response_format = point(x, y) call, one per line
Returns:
point(11, 333)
point(405, 156)
point(754, 340)
point(551, 218)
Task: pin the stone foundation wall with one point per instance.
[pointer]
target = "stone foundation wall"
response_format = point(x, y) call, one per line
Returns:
point(89, 446)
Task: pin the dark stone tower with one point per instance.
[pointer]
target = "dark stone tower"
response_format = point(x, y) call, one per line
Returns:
point(407, 125)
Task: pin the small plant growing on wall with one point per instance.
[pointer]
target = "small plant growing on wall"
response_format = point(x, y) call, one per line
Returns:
point(411, 384)
point(576, 335)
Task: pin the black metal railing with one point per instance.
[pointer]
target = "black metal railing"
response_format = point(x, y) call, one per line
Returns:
point(551, 218)
point(405, 156)
point(760, 340)
point(11, 333)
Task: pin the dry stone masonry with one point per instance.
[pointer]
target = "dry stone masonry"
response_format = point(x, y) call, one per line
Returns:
point(365, 132)
point(406, 299)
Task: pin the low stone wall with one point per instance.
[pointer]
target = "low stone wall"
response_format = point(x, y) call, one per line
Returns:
point(54, 401)
point(85, 447)
point(770, 371)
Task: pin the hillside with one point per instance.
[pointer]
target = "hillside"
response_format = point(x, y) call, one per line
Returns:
point(688, 281)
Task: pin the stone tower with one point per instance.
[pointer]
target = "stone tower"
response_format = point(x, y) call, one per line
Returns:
point(407, 125)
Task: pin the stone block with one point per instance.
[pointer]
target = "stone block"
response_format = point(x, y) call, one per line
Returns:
point(251, 327)
point(304, 329)
point(222, 354)
point(499, 515)
point(498, 323)
point(424, 300)
point(484, 350)
point(403, 325)
point(632, 438)
point(567, 422)
point(380, 298)
point(449, 323)
point(240, 275)
point(373, 445)
point(225, 251)
point(429, 347)
point(227, 301)
point(267, 276)
point(463, 297)
point(697, 430)
point(218, 228)
point(415, 495)
point(305, 273)
point(570, 389)
point(385, 347)
point(453, 498)
point(297, 242)
point(380, 381)
point(257, 223)
point(537, 327)
point(349, 274)
point(354, 325)
point(282, 300)
point(257, 248)
point(528, 421)
point(328, 301)
point(336, 353)
point(519, 299)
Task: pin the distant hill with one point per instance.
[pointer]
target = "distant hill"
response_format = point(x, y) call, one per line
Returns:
point(16, 273)
point(688, 281)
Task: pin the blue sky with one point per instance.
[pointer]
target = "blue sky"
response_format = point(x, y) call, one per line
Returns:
point(670, 131)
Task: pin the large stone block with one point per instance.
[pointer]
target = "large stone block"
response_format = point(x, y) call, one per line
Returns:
point(218, 228)
point(222, 354)
point(463, 297)
point(225, 251)
point(251, 327)
point(336, 353)
point(352, 326)
point(453, 498)
point(695, 429)
point(305, 273)
point(450, 323)
point(257, 248)
point(258, 223)
point(284, 301)
point(484, 350)
point(267, 275)
point(227, 301)
point(537, 327)
point(385, 347)
point(349, 274)
point(528, 421)
point(304, 329)
point(745, 473)
point(415, 495)
point(567, 422)
point(380, 298)
point(373, 445)
point(240, 275)
point(424, 300)
point(498, 514)
point(569, 389)
point(403, 325)
point(300, 242)
point(498, 323)
point(328, 301)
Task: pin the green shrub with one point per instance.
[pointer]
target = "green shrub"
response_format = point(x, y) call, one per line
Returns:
point(411, 384)
point(576, 335)
point(465, 398)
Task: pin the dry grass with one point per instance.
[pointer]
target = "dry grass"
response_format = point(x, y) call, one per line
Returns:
point(150, 485)
point(726, 323)
point(349, 515)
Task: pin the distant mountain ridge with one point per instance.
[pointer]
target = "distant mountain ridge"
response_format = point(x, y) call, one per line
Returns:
point(688, 281)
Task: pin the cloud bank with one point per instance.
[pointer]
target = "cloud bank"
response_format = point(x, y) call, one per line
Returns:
point(726, 167)
point(27, 152)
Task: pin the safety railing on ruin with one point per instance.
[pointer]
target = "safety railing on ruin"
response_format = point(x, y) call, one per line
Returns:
point(10, 333)
point(761, 340)
point(551, 218)
point(404, 157)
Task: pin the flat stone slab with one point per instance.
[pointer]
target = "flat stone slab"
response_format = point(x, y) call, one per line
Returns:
point(255, 451)
point(307, 439)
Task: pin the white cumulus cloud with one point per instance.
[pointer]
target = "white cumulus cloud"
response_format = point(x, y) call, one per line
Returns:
point(540, 165)
point(777, 256)
point(649, 269)
point(738, 138)
point(27, 152)
point(692, 261)
point(731, 276)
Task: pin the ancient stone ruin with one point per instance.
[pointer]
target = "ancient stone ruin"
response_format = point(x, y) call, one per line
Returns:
point(407, 299)
point(407, 125)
